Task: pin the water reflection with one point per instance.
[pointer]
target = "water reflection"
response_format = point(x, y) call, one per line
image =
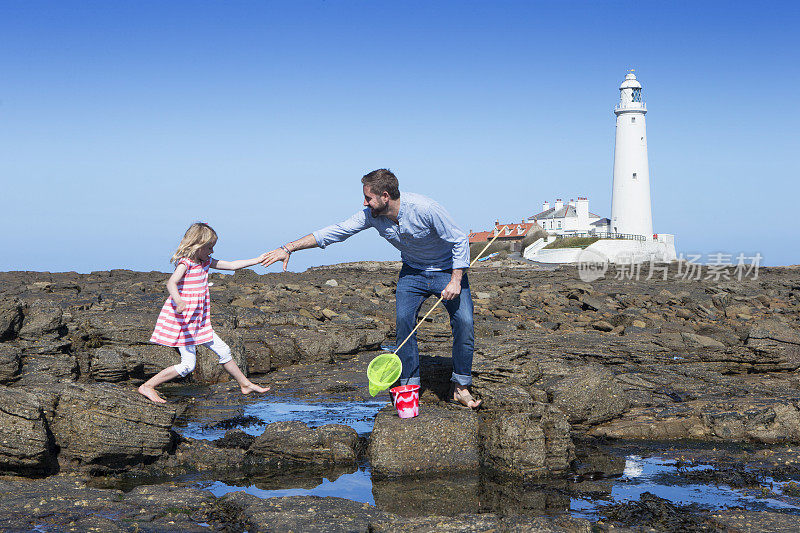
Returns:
point(355, 485)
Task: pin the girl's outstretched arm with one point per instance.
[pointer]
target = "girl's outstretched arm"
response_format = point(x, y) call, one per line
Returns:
point(172, 287)
point(236, 265)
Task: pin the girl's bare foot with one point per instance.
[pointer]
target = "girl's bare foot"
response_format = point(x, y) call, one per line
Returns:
point(252, 387)
point(150, 393)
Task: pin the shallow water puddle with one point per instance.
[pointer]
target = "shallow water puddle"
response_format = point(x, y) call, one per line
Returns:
point(663, 478)
point(358, 415)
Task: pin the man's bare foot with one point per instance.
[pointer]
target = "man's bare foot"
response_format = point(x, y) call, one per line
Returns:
point(464, 397)
point(150, 393)
point(252, 387)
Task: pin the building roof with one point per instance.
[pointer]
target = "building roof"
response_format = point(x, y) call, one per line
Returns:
point(566, 211)
point(601, 222)
point(513, 230)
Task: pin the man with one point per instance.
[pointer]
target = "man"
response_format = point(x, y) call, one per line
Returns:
point(435, 255)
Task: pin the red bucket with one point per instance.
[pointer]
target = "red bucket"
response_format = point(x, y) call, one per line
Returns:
point(406, 400)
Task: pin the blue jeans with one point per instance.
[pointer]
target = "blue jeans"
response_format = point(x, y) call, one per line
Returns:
point(413, 287)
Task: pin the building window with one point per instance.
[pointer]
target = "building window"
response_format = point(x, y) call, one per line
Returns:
point(634, 175)
point(633, 120)
point(559, 224)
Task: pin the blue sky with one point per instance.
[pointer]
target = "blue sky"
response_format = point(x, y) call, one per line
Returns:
point(123, 122)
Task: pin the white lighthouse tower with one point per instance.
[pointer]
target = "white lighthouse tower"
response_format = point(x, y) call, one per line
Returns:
point(630, 200)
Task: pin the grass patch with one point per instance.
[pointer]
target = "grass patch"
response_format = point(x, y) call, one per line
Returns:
point(572, 242)
point(475, 249)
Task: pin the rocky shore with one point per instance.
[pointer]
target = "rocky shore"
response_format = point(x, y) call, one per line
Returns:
point(568, 371)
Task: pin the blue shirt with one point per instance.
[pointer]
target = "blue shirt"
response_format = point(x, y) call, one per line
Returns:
point(426, 236)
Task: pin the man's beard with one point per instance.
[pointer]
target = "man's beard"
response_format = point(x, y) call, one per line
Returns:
point(379, 211)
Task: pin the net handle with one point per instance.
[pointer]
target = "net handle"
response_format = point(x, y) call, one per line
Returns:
point(440, 297)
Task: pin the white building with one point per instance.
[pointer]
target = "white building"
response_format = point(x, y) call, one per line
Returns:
point(569, 219)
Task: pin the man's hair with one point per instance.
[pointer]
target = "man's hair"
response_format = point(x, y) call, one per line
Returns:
point(381, 181)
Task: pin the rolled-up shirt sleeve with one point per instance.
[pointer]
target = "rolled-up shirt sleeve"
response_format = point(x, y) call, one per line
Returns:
point(448, 231)
point(339, 232)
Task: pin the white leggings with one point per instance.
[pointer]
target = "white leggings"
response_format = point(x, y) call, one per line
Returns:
point(189, 359)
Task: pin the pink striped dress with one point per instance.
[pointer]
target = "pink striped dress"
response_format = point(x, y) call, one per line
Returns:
point(193, 326)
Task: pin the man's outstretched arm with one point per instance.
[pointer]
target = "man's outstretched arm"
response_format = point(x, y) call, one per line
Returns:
point(320, 238)
point(284, 252)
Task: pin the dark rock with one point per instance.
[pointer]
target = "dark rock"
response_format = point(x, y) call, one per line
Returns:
point(257, 349)
point(235, 422)
point(108, 364)
point(438, 440)
point(9, 363)
point(26, 445)
point(295, 444)
point(328, 344)
point(235, 438)
point(108, 427)
point(734, 478)
point(485, 522)
point(127, 328)
point(602, 325)
point(589, 303)
point(763, 521)
point(48, 368)
point(11, 318)
point(704, 420)
point(146, 360)
point(309, 514)
point(777, 338)
point(527, 445)
point(65, 504)
point(42, 317)
point(591, 394)
point(208, 369)
point(654, 512)
point(693, 340)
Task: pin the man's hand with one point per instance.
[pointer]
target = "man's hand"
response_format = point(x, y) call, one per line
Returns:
point(452, 290)
point(278, 254)
point(283, 253)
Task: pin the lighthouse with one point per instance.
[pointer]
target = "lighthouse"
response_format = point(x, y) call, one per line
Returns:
point(630, 198)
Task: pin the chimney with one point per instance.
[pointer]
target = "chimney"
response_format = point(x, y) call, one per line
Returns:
point(572, 202)
point(559, 204)
point(545, 206)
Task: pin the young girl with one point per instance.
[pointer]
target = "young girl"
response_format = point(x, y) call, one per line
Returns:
point(185, 319)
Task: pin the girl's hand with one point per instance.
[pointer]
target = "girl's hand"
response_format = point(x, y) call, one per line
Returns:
point(278, 254)
point(262, 257)
point(180, 306)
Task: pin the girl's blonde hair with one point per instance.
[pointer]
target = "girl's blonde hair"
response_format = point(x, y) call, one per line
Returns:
point(198, 235)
